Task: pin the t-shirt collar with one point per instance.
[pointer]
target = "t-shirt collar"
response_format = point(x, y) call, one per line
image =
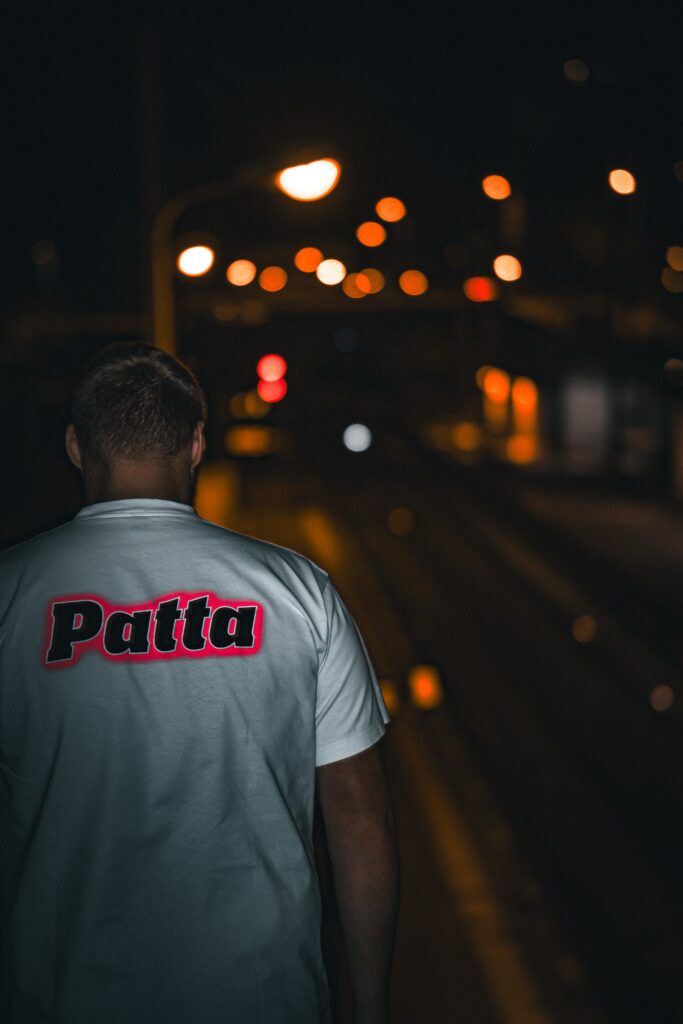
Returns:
point(135, 507)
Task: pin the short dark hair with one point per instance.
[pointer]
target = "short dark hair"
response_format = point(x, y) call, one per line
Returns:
point(135, 401)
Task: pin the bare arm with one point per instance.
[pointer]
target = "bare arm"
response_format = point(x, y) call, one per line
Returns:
point(361, 840)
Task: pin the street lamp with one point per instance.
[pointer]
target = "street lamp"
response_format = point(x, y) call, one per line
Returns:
point(304, 182)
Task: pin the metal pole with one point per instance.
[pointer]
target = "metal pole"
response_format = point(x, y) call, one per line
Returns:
point(162, 255)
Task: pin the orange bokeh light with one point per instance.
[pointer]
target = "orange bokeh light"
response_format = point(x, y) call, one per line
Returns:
point(375, 279)
point(271, 367)
point(507, 268)
point(241, 272)
point(390, 209)
point(308, 259)
point(424, 683)
point(272, 390)
point(272, 279)
point(413, 282)
point(480, 289)
point(525, 393)
point(352, 288)
point(496, 386)
point(370, 233)
point(622, 182)
point(495, 186)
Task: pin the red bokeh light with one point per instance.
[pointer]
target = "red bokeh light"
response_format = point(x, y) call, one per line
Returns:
point(271, 367)
point(272, 390)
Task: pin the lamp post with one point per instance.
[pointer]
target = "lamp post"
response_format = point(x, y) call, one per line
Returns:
point(303, 182)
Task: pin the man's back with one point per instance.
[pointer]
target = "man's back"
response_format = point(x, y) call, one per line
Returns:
point(167, 689)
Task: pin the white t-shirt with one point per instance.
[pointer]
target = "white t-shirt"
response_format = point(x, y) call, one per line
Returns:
point(167, 688)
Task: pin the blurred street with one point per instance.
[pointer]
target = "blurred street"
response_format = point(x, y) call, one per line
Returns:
point(536, 793)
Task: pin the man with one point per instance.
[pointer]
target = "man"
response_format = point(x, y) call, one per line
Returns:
point(171, 695)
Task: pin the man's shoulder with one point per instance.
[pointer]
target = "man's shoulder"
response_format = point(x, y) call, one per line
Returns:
point(275, 556)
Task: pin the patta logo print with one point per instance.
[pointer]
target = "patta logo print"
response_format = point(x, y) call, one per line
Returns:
point(181, 625)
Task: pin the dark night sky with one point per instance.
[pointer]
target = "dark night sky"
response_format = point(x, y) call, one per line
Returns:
point(424, 102)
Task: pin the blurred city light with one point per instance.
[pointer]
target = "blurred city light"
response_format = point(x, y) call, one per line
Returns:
point(370, 233)
point(254, 405)
point(346, 339)
point(308, 259)
point(413, 282)
point(351, 286)
point(525, 405)
point(507, 268)
point(357, 437)
point(196, 260)
point(467, 437)
point(424, 684)
point(307, 182)
point(496, 385)
point(662, 698)
point(584, 629)
point(674, 257)
point(241, 273)
point(389, 695)
point(522, 448)
point(496, 388)
point(249, 439)
point(576, 71)
point(401, 521)
point(481, 289)
point(495, 186)
point(672, 280)
point(330, 271)
point(271, 367)
point(272, 279)
point(375, 279)
point(622, 182)
point(480, 375)
point(390, 209)
point(272, 390)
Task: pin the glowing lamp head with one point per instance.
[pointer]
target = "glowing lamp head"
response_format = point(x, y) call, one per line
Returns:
point(196, 260)
point(308, 182)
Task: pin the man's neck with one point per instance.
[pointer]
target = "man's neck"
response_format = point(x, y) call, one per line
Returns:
point(168, 480)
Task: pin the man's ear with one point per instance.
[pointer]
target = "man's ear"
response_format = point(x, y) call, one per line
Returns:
point(198, 445)
point(73, 449)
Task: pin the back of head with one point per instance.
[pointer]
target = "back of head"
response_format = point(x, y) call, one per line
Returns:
point(134, 401)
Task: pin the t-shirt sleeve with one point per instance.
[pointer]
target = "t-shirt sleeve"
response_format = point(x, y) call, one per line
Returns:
point(350, 714)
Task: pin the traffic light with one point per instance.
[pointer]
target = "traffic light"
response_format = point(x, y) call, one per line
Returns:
point(271, 369)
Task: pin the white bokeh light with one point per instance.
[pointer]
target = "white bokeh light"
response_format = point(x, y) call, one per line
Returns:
point(357, 437)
